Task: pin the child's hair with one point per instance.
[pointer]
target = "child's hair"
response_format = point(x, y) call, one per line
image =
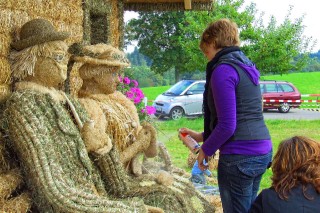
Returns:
point(297, 162)
point(221, 33)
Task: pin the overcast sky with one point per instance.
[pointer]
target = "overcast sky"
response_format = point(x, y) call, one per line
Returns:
point(279, 8)
point(309, 8)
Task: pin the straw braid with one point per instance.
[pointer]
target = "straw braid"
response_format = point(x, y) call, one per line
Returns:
point(114, 175)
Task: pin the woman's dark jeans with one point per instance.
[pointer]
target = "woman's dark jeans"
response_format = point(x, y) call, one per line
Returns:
point(239, 178)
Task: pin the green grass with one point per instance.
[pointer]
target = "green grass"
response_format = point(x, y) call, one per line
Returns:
point(279, 130)
point(307, 82)
point(152, 92)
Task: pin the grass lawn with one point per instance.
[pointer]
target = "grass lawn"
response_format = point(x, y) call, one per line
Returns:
point(279, 130)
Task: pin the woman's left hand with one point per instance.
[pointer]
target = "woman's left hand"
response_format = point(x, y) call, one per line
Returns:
point(200, 158)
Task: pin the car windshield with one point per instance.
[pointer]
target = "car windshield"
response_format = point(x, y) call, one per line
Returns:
point(178, 88)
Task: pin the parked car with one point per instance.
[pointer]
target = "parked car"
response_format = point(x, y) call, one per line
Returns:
point(277, 91)
point(182, 99)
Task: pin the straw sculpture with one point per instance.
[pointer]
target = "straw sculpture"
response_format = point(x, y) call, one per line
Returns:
point(43, 125)
point(109, 111)
point(117, 113)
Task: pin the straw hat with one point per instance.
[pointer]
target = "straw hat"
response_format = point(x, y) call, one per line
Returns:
point(37, 31)
point(99, 54)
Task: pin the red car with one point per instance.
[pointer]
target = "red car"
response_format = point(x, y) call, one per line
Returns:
point(281, 95)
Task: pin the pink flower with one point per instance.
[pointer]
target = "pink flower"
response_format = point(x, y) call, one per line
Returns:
point(130, 95)
point(120, 79)
point(150, 110)
point(136, 100)
point(126, 80)
point(135, 83)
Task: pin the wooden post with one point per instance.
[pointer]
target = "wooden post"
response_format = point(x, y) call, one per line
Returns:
point(187, 4)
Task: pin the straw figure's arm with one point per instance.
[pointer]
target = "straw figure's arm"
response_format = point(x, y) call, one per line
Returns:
point(93, 131)
point(146, 143)
point(54, 157)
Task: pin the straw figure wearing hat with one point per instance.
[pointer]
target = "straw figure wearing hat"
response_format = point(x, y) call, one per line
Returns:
point(117, 115)
point(44, 126)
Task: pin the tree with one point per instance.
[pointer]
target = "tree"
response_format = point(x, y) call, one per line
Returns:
point(171, 39)
point(197, 21)
point(280, 48)
point(159, 35)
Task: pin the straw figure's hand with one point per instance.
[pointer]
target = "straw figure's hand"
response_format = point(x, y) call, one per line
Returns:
point(151, 151)
point(94, 139)
point(145, 143)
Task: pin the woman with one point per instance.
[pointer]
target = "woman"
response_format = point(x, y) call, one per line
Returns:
point(295, 180)
point(233, 119)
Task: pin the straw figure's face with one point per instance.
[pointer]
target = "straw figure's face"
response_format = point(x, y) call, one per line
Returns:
point(101, 79)
point(51, 68)
point(108, 82)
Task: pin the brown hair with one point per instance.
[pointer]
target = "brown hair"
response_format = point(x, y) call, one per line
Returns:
point(297, 162)
point(221, 33)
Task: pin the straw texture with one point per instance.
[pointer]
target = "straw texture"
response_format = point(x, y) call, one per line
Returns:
point(65, 15)
point(170, 195)
point(53, 155)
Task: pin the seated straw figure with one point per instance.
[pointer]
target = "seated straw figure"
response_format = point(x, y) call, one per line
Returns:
point(44, 124)
point(295, 180)
point(113, 110)
point(115, 114)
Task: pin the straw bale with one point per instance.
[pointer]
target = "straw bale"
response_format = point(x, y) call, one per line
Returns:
point(10, 19)
point(165, 178)
point(4, 165)
point(114, 24)
point(19, 204)
point(75, 31)
point(63, 11)
point(4, 92)
point(9, 181)
point(5, 40)
point(5, 70)
point(152, 209)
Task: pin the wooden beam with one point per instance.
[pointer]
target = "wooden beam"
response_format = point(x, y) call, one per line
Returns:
point(187, 4)
point(165, 1)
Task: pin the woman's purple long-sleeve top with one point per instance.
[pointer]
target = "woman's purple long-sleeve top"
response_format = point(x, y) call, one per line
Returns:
point(224, 81)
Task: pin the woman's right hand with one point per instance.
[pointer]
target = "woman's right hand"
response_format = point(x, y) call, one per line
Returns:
point(195, 135)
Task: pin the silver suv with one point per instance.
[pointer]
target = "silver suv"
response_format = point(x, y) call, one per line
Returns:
point(183, 98)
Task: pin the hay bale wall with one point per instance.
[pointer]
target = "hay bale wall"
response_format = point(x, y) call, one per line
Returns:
point(88, 21)
point(65, 15)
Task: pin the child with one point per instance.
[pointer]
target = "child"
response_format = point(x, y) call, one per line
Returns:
point(295, 181)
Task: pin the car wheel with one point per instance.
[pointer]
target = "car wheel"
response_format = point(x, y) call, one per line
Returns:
point(284, 108)
point(176, 113)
